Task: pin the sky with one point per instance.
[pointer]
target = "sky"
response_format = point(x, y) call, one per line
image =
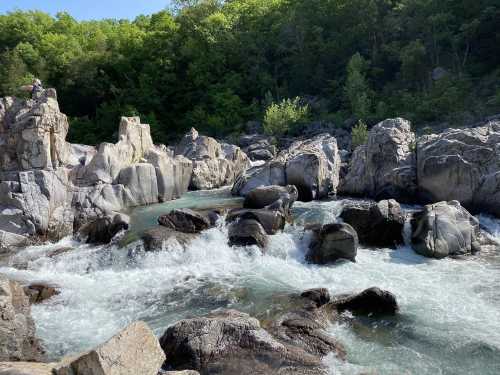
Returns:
point(88, 9)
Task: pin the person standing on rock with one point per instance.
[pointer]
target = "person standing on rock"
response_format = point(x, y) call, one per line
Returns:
point(36, 89)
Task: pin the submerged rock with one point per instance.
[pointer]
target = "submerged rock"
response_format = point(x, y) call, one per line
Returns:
point(443, 229)
point(333, 242)
point(38, 293)
point(384, 167)
point(320, 296)
point(370, 301)
point(377, 224)
point(133, 351)
point(185, 220)
point(17, 329)
point(311, 165)
point(247, 232)
point(159, 238)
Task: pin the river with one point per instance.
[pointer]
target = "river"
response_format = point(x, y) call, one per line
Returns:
point(449, 320)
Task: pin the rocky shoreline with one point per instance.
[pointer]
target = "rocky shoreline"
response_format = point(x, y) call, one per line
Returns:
point(52, 189)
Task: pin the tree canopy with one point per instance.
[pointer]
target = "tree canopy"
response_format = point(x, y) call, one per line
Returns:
point(217, 64)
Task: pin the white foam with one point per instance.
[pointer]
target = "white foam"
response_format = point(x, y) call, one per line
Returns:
point(447, 306)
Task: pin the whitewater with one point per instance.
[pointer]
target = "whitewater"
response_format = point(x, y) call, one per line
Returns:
point(449, 315)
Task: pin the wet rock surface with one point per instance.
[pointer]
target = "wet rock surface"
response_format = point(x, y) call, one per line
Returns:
point(443, 229)
point(377, 224)
point(332, 242)
point(185, 220)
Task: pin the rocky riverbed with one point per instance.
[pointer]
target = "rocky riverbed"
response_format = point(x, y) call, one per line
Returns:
point(274, 273)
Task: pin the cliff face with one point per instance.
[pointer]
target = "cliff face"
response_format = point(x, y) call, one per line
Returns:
point(49, 187)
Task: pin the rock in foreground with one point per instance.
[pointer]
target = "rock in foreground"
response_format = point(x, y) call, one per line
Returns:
point(370, 301)
point(17, 329)
point(185, 220)
point(133, 351)
point(443, 229)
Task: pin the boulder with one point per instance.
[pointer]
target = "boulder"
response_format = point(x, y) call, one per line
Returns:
point(443, 229)
point(258, 146)
point(272, 221)
point(229, 342)
point(103, 229)
point(311, 165)
point(185, 220)
point(333, 242)
point(133, 351)
point(38, 293)
point(462, 165)
point(247, 232)
point(320, 296)
point(265, 196)
point(160, 238)
point(370, 301)
point(377, 224)
point(214, 164)
point(384, 167)
point(17, 329)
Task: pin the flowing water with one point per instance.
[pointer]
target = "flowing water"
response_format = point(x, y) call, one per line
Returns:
point(449, 320)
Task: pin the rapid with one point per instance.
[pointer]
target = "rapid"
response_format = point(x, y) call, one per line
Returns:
point(449, 315)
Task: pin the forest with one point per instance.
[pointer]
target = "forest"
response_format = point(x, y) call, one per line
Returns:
point(216, 65)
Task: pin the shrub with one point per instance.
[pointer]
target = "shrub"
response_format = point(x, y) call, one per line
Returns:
point(359, 134)
point(281, 117)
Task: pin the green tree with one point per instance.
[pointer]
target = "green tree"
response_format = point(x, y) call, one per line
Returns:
point(281, 117)
point(356, 89)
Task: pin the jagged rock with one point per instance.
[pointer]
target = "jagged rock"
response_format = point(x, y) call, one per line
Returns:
point(333, 242)
point(377, 224)
point(462, 165)
point(258, 147)
point(247, 232)
point(33, 133)
point(234, 342)
point(384, 167)
point(17, 329)
point(38, 293)
point(103, 229)
point(272, 221)
point(159, 238)
point(370, 301)
point(185, 220)
point(311, 165)
point(265, 196)
point(214, 164)
point(443, 229)
point(133, 351)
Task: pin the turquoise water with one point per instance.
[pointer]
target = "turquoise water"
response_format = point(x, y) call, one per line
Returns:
point(449, 321)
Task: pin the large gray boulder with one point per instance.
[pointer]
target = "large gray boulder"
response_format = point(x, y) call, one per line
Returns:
point(462, 165)
point(185, 220)
point(385, 166)
point(230, 342)
point(17, 329)
point(443, 229)
point(33, 133)
point(276, 196)
point(377, 224)
point(332, 242)
point(372, 301)
point(311, 165)
point(103, 229)
point(247, 232)
point(258, 146)
point(133, 351)
point(214, 164)
point(272, 221)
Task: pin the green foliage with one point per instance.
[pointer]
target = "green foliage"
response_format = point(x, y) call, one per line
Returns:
point(281, 117)
point(356, 89)
point(359, 135)
point(217, 64)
